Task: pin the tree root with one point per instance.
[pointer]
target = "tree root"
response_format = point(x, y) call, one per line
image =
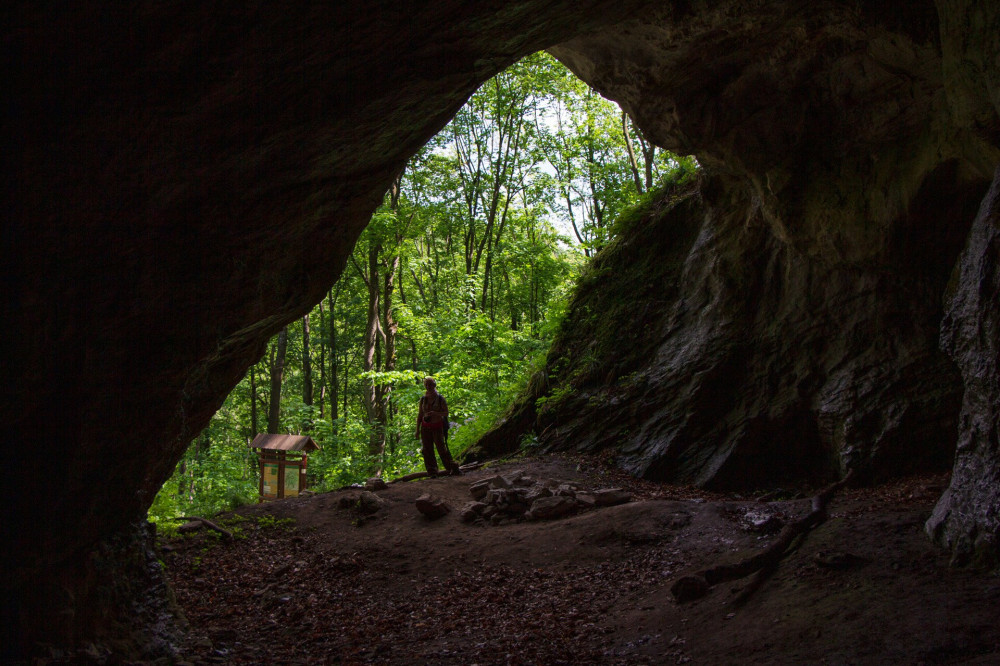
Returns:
point(697, 585)
point(421, 475)
point(192, 520)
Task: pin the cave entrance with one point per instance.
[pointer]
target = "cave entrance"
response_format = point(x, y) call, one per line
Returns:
point(462, 274)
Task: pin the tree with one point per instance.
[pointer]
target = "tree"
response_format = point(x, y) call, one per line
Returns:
point(277, 374)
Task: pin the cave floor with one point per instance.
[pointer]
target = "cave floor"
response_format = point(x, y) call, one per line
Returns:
point(332, 586)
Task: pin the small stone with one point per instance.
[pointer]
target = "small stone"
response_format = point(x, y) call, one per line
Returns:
point(431, 506)
point(471, 511)
point(479, 489)
point(376, 483)
point(586, 501)
point(537, 492)
point(499, 482)
point(612, 496)
point(762, 521)
point(564, 490)
point(546, 508)
point(511, 478)
point(369, 502)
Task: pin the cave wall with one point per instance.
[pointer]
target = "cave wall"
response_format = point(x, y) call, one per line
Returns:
point(184, 179)
point(966, 519)
point(792, 329)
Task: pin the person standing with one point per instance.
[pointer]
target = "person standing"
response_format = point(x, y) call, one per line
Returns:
point(431, 419)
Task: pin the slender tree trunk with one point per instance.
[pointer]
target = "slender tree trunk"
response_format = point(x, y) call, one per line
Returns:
point(277, 374)
point(322, 359)
point(371, 398)
point(253, 401)
point(391, 329)
point(334, 359)
point(633, 164)
point(307, 382)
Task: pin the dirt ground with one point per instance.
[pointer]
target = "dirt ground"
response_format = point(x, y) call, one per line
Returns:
point(312, 581)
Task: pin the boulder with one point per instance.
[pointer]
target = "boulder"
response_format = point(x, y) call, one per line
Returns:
point(369, 502)
point(479, 489)
point(431, 506)
point(471, 511)
point(546, 508)
point(376, 483)
point(500, 482)
point(537, 492)
point(612, 496)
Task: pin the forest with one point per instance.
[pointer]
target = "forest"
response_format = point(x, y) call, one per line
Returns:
point(462, 274)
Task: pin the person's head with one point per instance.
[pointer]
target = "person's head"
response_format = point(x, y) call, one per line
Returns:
point(429, 383)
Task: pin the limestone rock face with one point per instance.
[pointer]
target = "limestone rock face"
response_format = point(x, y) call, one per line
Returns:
point(742, 361)
point(783, 320)
point(966, 518)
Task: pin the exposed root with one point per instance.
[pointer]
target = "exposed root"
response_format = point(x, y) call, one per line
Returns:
point(697, 585)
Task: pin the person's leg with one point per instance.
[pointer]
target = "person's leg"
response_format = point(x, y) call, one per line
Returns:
point(442, 448)
point(427, 450)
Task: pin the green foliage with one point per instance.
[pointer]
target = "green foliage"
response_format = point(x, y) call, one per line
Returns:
point(267, 521)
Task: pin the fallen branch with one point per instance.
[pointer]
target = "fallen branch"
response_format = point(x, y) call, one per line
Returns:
point(192, 520)
point(697, 585)
point(420, 475)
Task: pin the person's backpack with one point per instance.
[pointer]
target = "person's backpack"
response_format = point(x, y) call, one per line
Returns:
point(437, 407)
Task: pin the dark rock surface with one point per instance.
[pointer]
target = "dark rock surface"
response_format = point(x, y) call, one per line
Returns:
point(432, 507)
point(744, 361)
point(966, 519)
point(185, 179)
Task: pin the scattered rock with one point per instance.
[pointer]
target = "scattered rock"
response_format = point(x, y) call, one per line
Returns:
point(479, 489)
point(472, 510)
point(546, 508)
point(376, 483)
point(500, 482)
point(612, 496)
point(762, 521)
point(369, 502)
point(536, 493)
point(586, 500)
point(432, 507)
point(564, 490)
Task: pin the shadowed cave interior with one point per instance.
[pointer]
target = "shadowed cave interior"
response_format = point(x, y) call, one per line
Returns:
point(825, 300)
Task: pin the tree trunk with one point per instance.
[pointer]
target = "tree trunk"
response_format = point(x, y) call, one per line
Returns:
point(253, 401)
point(334, 361)
point(633, 164)
point(277, 373)
point(322, 360)
point(376, 442)
point(307, 386)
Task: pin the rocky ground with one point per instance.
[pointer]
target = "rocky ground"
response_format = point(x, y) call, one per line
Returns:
point(333, 579)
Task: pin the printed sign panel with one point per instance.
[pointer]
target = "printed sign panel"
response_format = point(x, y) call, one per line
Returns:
point(291, 481)
point(270, 474)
